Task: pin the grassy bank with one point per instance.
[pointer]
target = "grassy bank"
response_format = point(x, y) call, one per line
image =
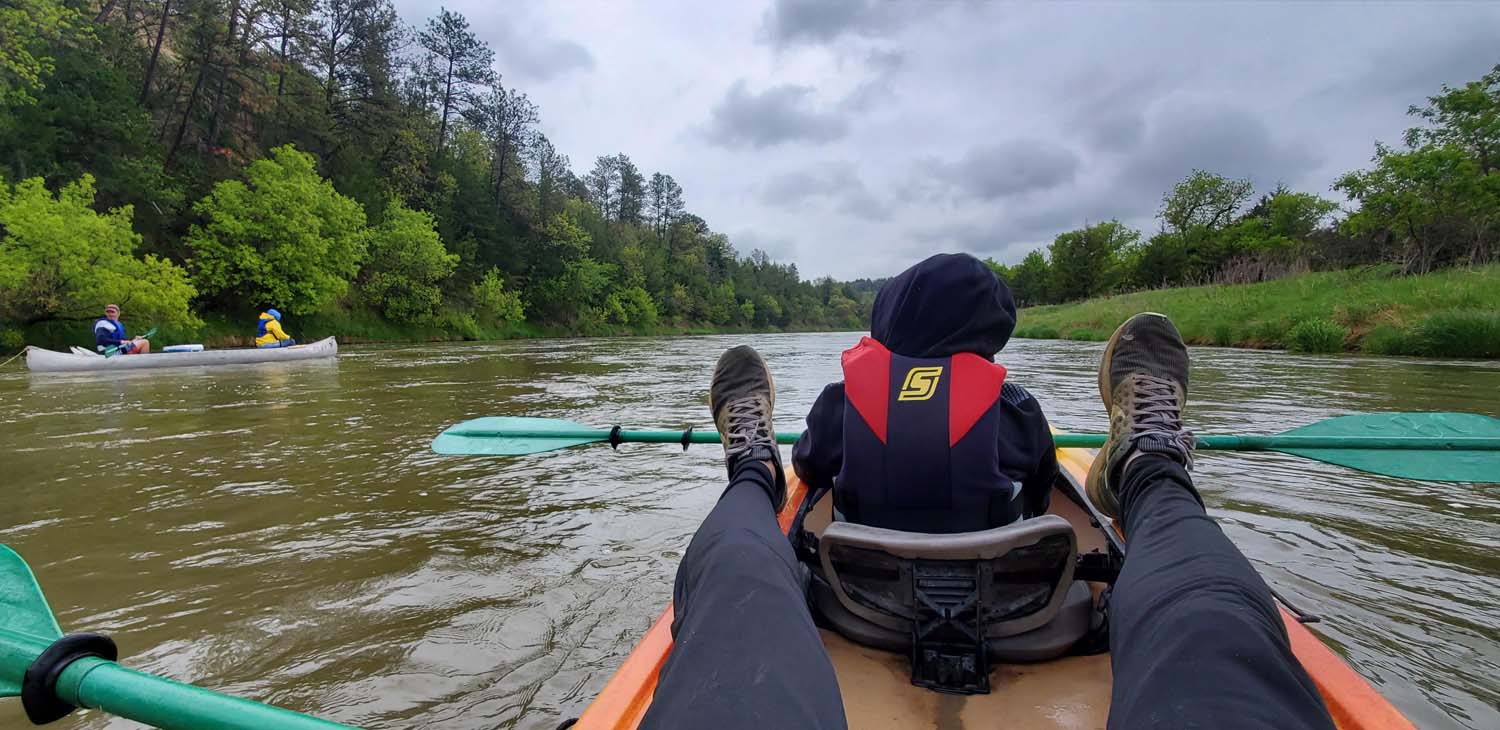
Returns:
point(1453, 313)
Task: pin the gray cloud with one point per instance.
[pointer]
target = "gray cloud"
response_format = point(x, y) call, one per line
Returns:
point(741, 103)
point(789, 22)
point(836, 183)
point(526, 51)
point(1457, 58)
point(1010, 168)
point(1107, 109)
point(1217, 137)
point(545, 58)
point(775, 116)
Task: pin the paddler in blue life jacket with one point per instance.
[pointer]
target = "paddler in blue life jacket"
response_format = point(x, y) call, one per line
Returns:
point(926, 433)
point(110, 332)
point(268, 332)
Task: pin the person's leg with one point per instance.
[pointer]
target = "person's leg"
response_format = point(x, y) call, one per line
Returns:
point(143, 347)
point(746, 653)
point(1195, 637)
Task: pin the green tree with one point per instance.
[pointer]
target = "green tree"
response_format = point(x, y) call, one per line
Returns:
point(29, 32)
point(61, 260)
point(407, 262)
point(1427, 204)
point(632, 306)
point(456, 64)
point(1030, 280)
point(1467, 117)
point(1086, 262)
point(493, 303)
point(283, 238)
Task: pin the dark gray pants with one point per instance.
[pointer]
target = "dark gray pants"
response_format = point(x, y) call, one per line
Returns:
point(1196, 640)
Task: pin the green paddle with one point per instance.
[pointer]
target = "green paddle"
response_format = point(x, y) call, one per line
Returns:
point(112, 349)
point(64, 679)
point(1442, 447)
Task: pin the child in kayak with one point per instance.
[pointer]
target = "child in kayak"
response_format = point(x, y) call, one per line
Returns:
point(926, 433)
point(268, 331)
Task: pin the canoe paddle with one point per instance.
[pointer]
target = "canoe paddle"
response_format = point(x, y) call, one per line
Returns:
point(54, 674)
point(112, 349)
point(1440, 447)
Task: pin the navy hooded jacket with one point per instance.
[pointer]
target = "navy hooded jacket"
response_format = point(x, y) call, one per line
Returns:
point(947, 305)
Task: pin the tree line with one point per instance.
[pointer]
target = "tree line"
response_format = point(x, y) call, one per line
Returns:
point(1432, 203)
point(186, 157)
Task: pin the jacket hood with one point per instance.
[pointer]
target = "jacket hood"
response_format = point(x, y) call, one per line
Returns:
point(947, 304)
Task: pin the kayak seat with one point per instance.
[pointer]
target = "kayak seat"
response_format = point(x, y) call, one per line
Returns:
point(958, 601)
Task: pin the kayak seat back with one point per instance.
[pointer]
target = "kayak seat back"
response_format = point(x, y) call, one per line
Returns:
point(956, 601)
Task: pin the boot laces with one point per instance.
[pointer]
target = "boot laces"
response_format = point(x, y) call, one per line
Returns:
point(1157, 417)
point(746, 424)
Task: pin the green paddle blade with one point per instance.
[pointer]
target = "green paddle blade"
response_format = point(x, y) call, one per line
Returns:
point(24, 611)
point(1437, 464)
point(514, 436)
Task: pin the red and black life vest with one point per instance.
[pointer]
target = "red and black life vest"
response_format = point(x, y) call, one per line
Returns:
point(921, 442)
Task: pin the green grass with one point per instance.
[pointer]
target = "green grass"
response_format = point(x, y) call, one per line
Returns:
point(1453, 313)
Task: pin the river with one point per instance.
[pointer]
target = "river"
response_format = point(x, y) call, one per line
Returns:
point(282, 532)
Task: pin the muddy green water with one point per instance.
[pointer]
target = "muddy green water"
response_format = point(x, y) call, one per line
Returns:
point(282, 532)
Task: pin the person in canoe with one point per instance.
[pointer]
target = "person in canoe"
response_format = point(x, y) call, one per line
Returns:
point(268, 332)
point(934, 333)
point(1195, 636)
point(109, 331)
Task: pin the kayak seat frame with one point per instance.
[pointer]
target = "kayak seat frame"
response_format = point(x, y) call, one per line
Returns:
point(957, 601)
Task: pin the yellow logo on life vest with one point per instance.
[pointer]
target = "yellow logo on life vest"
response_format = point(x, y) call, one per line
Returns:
point(920, 383)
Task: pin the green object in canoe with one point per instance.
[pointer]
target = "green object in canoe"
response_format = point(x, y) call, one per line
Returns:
point(28, 629)
point(1447, 447)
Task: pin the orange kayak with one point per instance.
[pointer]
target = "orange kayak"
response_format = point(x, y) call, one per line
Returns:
point(1070, 692)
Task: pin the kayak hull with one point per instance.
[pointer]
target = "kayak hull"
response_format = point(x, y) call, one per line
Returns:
point(1071, 692)
point(48, 361)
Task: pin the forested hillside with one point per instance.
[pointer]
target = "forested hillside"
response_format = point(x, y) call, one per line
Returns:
point(204, 159)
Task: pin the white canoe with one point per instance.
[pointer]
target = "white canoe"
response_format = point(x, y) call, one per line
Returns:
point(47, 361)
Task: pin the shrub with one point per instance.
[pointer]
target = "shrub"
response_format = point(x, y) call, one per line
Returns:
point(1037, 332)
point(1317, 335)
point(1222, 336)
point(1460, 333)
point(1388, 340)
point(1087, 335)
point(493, 303)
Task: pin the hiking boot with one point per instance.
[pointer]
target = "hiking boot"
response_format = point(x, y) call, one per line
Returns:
point(1143, 380)
point(742, 398)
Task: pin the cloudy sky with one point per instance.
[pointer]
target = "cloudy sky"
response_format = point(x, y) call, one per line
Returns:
point(854, 137)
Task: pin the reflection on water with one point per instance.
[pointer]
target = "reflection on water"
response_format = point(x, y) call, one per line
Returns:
point(282, 532)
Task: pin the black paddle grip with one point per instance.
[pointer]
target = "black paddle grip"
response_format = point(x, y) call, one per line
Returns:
point(614, 438)
point(39, 685)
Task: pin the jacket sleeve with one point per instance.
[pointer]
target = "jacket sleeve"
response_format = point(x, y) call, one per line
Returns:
point(273, 328)
point(818, 455)
point(1033, 444)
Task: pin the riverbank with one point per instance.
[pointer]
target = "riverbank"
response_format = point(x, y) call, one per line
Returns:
point(350, 326)
point(1451, 313)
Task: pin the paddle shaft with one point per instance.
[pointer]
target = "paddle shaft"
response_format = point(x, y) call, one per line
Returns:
point(101, 684)
point(1062, 440)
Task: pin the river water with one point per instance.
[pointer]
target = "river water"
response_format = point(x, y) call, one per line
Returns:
point(282, 531)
